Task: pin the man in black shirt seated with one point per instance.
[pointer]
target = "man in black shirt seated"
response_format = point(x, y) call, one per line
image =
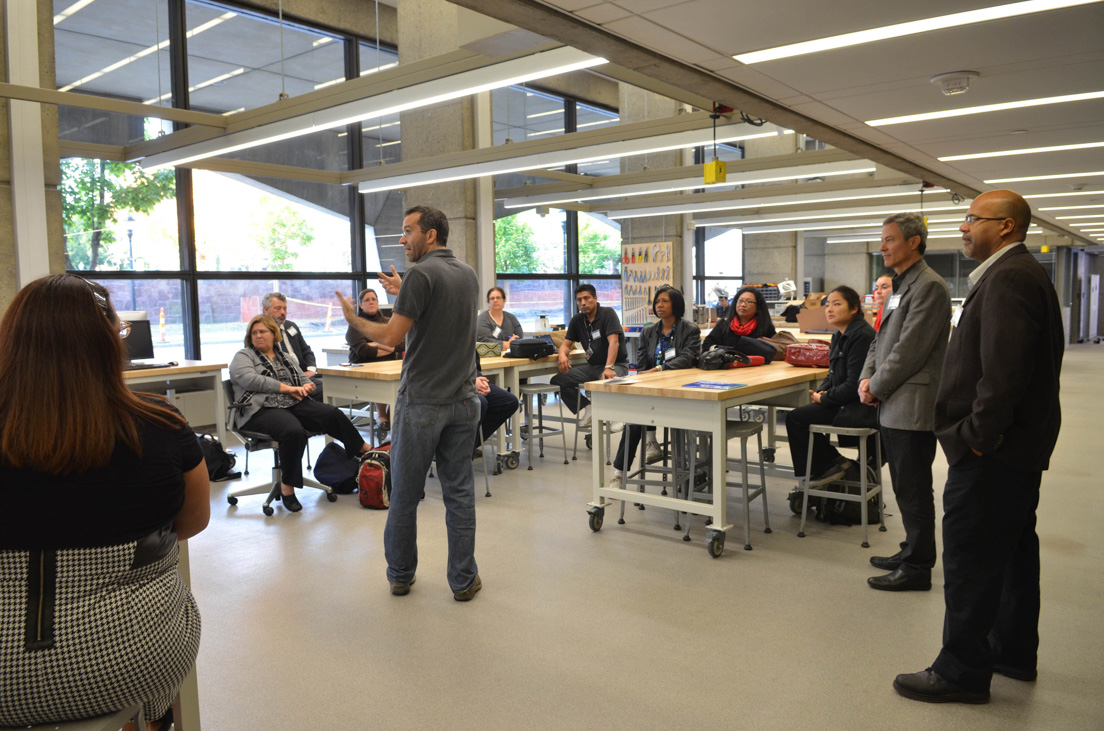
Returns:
point(599, 331)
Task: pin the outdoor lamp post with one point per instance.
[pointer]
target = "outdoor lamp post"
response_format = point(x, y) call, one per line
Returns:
point(130, 245)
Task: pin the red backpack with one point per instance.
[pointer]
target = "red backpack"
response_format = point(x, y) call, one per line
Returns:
point(374, 478)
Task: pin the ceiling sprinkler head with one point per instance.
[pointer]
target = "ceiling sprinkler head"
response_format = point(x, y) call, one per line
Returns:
point(955, 82)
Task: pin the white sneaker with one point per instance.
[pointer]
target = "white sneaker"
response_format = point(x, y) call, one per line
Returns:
point(615, 481)
point(584, 417)
point(616, 426)
point(653, 452)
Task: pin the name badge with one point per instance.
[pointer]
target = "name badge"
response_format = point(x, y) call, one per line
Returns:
point(669, 354)
point(292, 330)
point(956, 316)
point(596, 335)
point(894, 302)
point(497, 332)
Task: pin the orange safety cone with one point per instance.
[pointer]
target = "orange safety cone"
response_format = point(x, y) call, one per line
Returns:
point(162, 325)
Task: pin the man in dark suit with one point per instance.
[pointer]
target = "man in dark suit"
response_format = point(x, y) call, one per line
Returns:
point(997, 419)
point(901, 377)
point(293, 344)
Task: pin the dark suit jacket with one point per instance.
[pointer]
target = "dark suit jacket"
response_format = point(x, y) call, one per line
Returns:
point(297, 343)
point(999, 392)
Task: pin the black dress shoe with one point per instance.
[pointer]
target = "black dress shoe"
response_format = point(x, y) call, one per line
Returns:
point(291, 502)
point(929, 687)
point(1027, 675)
point(898, 580)
point(886, 563)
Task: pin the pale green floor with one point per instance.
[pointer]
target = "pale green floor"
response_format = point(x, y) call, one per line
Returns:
point(629, 627)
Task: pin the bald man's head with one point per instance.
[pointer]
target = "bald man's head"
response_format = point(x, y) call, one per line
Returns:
point(1009, 204)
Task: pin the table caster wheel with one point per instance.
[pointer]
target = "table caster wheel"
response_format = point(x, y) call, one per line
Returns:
point(588, 441)
point(596, 517)
point(795, 502)
point(512, 460)
point(232, 500)
point(716, 543)
point(331, 496)
point(268, 510)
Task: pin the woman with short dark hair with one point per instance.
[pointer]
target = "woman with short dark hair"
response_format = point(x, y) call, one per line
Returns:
point(494, 323)
point(748, 320)
point(98, 484)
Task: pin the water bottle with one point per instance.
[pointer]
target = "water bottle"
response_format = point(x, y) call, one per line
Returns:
point(544, 325)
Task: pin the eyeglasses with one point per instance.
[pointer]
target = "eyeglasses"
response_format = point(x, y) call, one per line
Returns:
point(747, 303)
point(124, 328)
point(972, 219)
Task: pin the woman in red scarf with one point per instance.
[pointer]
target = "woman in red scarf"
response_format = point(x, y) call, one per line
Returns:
point(748, 320)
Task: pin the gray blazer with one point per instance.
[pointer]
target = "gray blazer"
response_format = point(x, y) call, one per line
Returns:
point(687, 342)
point(247, 374)
point(906, 358)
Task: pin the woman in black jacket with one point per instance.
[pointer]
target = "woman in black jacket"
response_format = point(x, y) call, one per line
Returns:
point(748, 320)
point(363, 350)
point(838, 391)
point(670, 344)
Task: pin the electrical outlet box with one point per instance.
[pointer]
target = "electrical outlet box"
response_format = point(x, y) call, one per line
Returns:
point(715, 172)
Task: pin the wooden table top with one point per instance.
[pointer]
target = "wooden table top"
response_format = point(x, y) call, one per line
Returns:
point(670, 384)
point(184, 367)
point(391, 370)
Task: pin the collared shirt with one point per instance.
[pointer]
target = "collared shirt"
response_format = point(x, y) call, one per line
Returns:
point(976, 274)
point(287, 349)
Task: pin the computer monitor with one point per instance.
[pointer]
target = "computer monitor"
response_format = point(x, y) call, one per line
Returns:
point(131, 315)
point(139, 342)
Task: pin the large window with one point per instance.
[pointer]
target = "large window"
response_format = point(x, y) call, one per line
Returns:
point(161, 301)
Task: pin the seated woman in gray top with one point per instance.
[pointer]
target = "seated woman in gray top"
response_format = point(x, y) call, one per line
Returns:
point(670, 344)
point(363, 350)
point(495, 323)
point(278, 403)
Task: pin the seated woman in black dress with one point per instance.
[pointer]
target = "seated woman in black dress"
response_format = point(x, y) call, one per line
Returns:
point(667, 345)
point(839, 391)
point(363, 350)
point(748, 320)
point(98, 484)
point(278, 403)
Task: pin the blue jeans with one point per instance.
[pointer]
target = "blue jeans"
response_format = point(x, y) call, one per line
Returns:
point(421, 432)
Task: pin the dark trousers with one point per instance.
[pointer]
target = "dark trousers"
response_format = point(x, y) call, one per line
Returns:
point(569, 383)
point(629, 446)
point(798, 422)
point(291, 427)
point(991, 571)
point(910, 454)
point(494, 409)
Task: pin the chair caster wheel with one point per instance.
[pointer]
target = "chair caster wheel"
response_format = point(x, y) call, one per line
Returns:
point(331, 496)
point(686, 538)
point(232, 500)
point(268, 510)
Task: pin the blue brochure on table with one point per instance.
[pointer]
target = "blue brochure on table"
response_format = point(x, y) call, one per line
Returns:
point(714, 385)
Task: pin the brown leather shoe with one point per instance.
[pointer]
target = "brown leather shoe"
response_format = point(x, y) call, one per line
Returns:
point(898, 580)
point(929, 687)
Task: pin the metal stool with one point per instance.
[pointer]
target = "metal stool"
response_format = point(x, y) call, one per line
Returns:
point(867, 488)
point(110, 722)
point(744, 430)
point(537, 430)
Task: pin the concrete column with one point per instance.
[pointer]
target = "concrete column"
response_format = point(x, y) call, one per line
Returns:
point(638, 105)
point(31, 241)
point(429, 28)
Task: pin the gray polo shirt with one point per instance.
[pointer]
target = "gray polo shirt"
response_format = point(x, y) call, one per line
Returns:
point(441, 295)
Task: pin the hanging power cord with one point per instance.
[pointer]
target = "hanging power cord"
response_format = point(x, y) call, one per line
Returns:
point(753, 121)
point(283, 81)
point(379, 120)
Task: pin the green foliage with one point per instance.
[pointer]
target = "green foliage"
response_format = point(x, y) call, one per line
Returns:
point(282, 233)
point(94, 195)
point(599, 251)
point(515, 247)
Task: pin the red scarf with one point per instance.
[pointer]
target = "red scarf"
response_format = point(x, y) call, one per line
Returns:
point(739, 329)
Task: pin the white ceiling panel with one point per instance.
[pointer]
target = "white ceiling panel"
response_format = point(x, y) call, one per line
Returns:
point(661, 39)
point(603, 13)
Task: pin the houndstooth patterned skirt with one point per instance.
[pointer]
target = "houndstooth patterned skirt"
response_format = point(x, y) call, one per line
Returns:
point(120, 635)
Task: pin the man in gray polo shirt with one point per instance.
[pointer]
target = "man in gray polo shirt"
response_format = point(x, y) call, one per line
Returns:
point(437, 409)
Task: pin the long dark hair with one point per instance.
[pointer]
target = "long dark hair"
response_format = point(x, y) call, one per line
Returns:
point(764, 328)
point(64, 405)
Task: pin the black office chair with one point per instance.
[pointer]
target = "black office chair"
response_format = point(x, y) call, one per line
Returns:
point(255, 442)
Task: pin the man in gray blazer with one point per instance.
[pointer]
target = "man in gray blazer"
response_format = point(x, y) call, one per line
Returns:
point(997, 418)
point(901, 378)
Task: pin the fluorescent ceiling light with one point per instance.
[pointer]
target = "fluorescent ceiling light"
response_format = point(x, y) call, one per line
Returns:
point(366, 72)
point(202, 85)
point(544, 114)
point(233, 111)
point(1063, 195)
point(1080, 217)
point(71, 9)
point(561, 129)
point(515, 71)
point(693, 182)
point(572, 156)
point(1025, 151)
point(1028, 178)
point(1069, 208)
point(320, 41)
point(897, 30)
point(146, 51)
point(862, 217)
point(774, 201)
point(985, 108)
